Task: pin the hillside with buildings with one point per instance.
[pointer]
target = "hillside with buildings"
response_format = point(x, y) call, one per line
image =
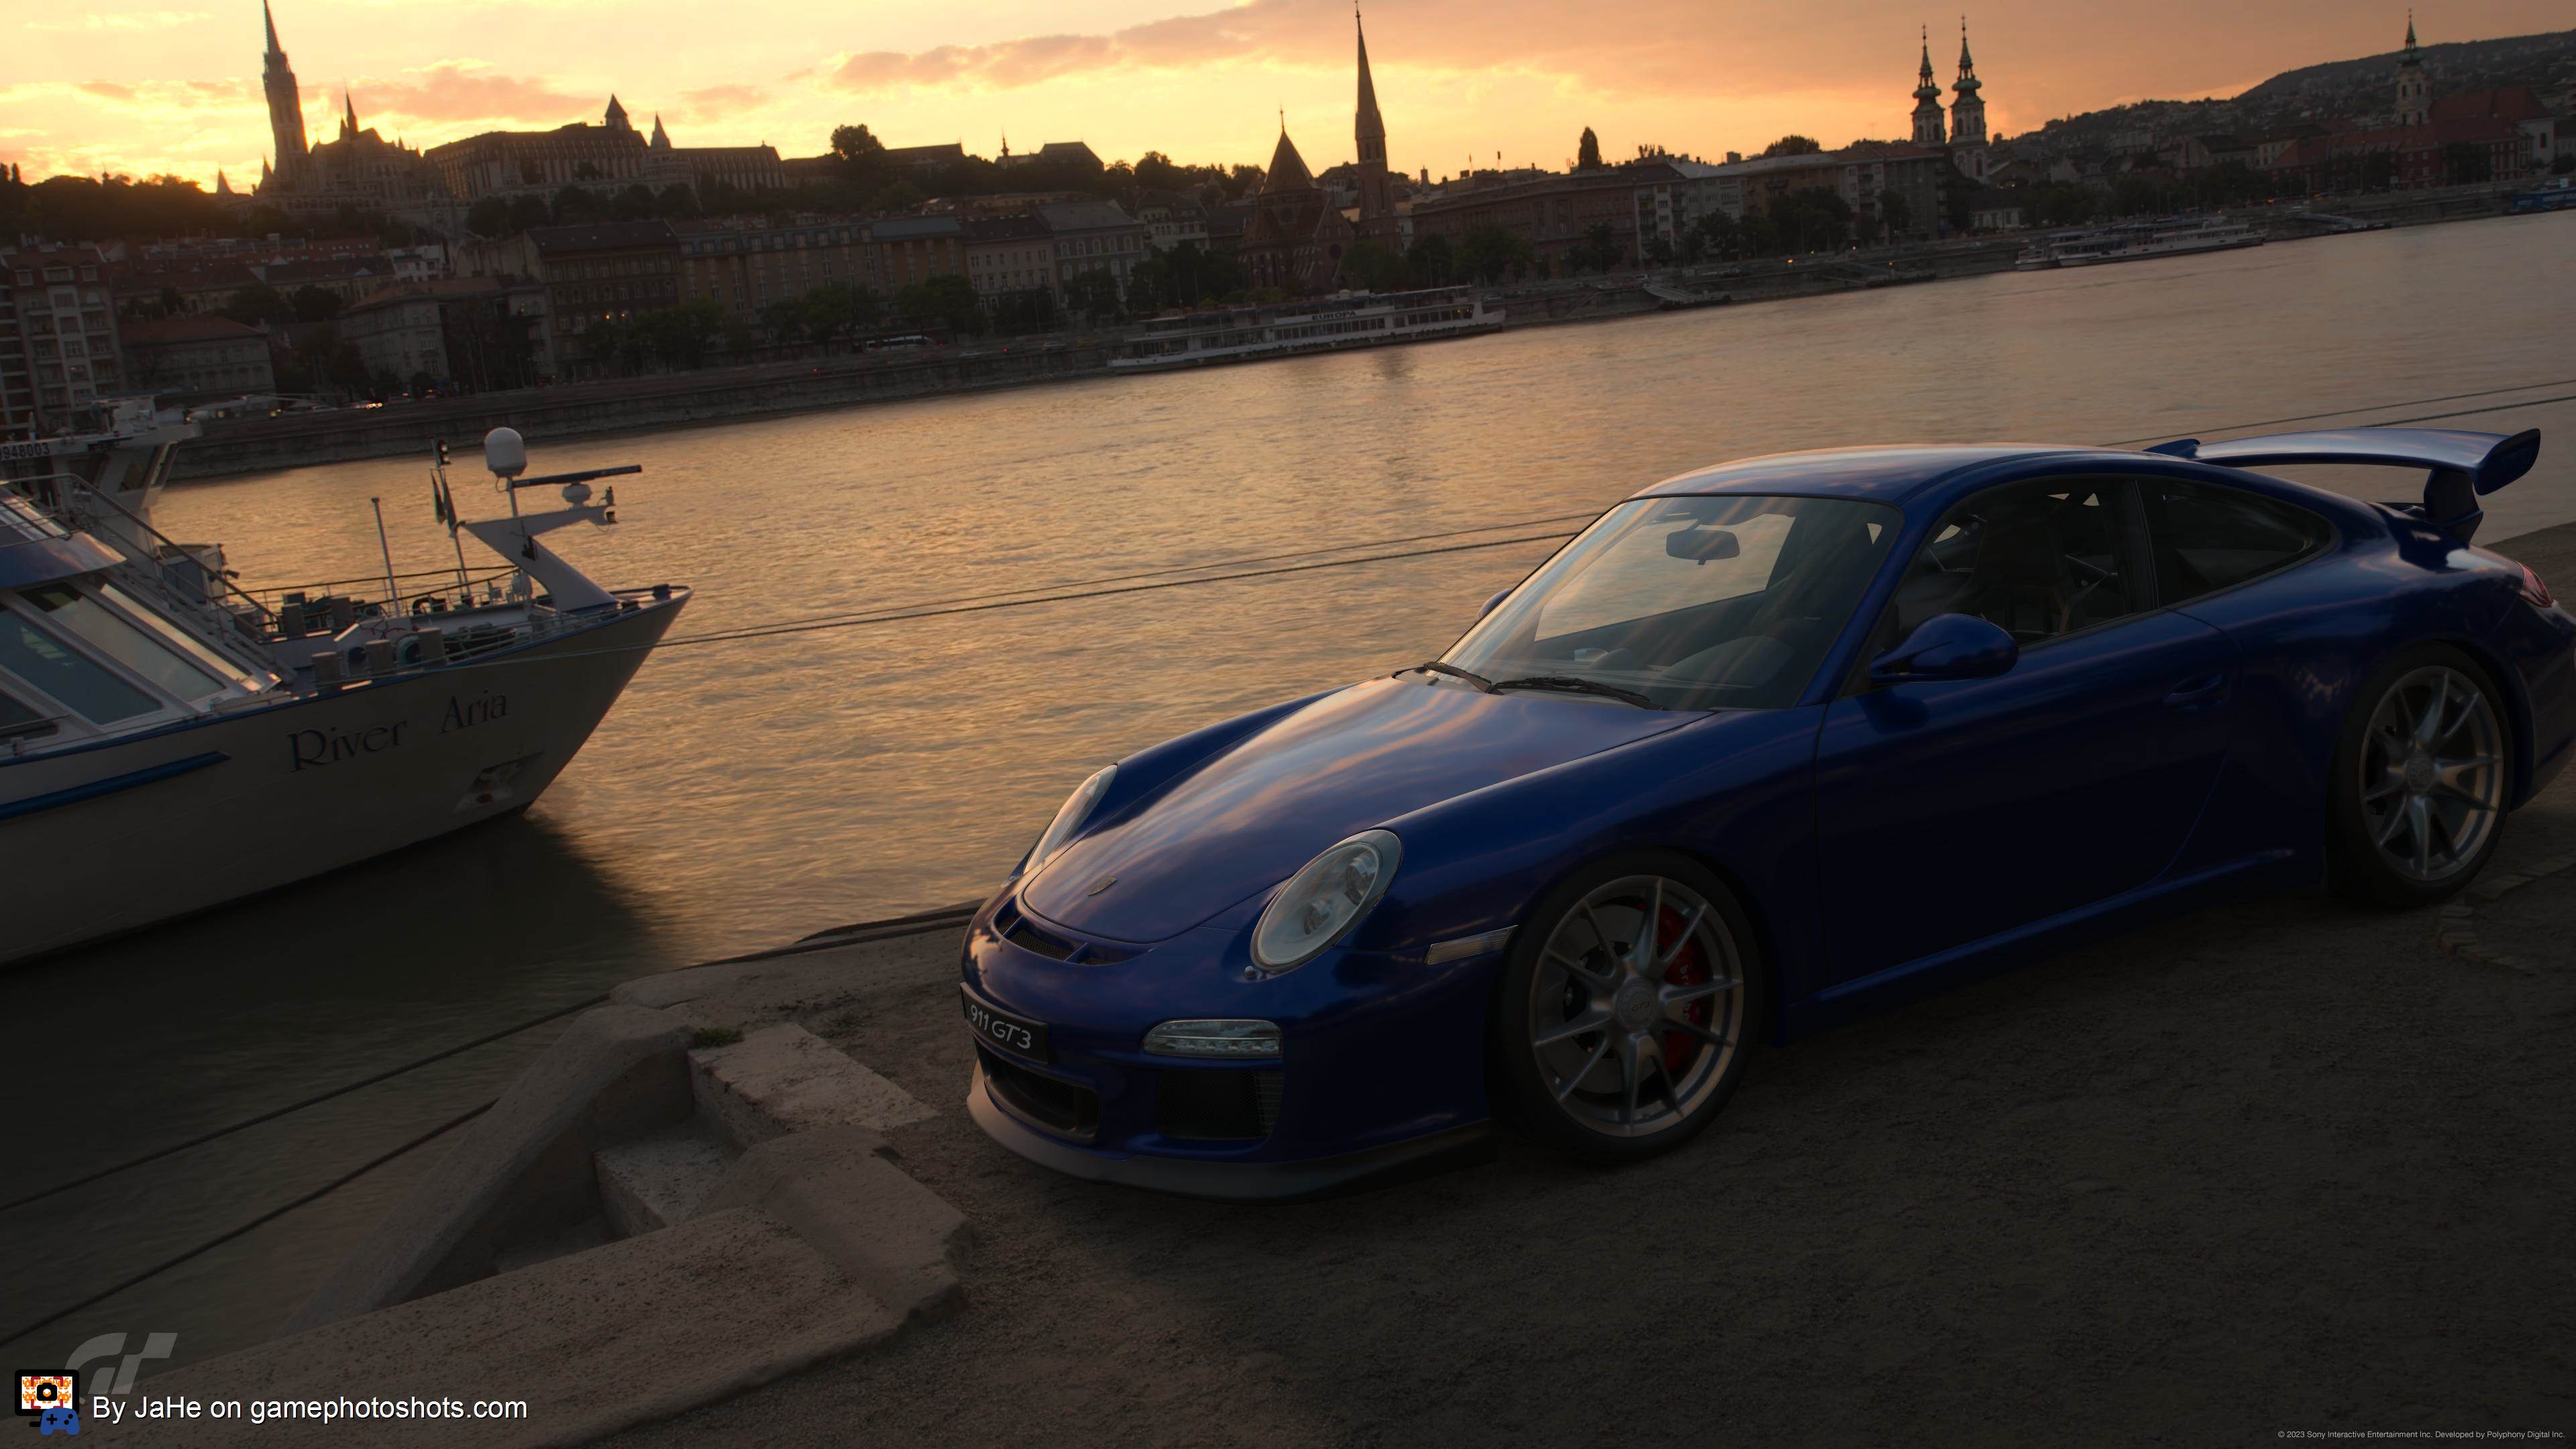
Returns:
point(2354, 92)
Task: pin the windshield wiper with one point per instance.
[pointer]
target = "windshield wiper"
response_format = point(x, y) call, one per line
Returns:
point(1573, 684)
point(1453, 671)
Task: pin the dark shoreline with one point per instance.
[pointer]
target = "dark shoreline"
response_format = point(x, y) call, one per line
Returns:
point(686, 400)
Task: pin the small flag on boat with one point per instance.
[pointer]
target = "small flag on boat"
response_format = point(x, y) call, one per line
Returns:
point(443, 503)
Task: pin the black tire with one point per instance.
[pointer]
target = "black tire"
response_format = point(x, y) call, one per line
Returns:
point(2359, 866)
point(1649, 1034)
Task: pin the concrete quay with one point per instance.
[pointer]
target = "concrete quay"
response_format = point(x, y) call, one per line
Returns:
point(686, 1195)
point(2288, 1164)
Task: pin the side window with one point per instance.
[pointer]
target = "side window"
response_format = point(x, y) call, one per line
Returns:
point(2037, 559)
point(20, 720)
point(78, 681)
point(2209, 537)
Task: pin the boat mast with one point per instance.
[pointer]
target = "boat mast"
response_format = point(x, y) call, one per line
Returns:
point(391, 593)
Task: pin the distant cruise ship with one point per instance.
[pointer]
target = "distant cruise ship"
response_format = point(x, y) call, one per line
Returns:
point(1276, 329)
point(2137, 241)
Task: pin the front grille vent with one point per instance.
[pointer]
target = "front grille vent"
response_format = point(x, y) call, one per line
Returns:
point(1216, 1106)
point(1059, 1107)
point(1014, 925)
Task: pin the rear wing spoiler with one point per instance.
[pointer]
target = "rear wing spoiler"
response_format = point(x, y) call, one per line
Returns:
point(2464, 465)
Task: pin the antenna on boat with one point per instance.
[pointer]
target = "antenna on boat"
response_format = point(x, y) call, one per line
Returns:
point(393, 600)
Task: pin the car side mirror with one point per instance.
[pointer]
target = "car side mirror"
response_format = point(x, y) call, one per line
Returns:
point(1499, 596)
point(1701, 545)
point(1948, 646)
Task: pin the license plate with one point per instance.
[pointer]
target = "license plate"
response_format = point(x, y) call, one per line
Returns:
point(1016, 1035)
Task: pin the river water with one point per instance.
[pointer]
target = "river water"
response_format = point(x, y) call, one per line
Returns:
point(743, 794)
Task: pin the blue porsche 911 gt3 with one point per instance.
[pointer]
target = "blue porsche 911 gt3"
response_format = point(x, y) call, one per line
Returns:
point(1766, 746)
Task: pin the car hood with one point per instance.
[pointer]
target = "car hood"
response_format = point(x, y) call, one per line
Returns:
point(1247, 817)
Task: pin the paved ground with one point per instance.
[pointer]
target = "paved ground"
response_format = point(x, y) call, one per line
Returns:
point(2262, 1168)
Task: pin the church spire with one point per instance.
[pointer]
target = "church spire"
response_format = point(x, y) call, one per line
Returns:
point(661, 139)
point(285, 102)
point(1930, 127)
point(1372, 126)
point(348, 112)
point(1968, 108)
point(1377, 220)
point(2414, 88)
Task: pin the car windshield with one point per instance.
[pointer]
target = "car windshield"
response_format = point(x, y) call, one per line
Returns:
point(1713, 602)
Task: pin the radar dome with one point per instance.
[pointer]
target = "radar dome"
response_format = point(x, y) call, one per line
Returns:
point(504, 452)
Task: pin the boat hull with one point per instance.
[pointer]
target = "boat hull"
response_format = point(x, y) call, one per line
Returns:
point(132, 832)
point(2174, 249)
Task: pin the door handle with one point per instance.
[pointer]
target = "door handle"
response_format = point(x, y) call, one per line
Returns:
point(2198, 690)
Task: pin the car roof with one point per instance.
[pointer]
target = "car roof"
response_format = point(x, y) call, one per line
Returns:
point(1882, 474)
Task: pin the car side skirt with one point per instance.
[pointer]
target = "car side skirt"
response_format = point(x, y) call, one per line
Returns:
point(1930, 975)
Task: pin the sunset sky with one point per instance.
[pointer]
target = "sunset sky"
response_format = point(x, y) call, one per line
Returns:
point(177, 90)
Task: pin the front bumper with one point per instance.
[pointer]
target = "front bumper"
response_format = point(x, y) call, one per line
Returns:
point(1244, 1181)
point(1380, 1073)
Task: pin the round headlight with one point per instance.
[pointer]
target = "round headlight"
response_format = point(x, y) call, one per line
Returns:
point(1077, 809)
point(1323, 901)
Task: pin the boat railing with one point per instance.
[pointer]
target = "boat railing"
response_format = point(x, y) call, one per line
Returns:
point(420, 593)
point(359, 645)
point(82, 505)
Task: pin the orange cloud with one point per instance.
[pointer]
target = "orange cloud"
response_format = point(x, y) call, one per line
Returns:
point(713, 102)
point(465, 91)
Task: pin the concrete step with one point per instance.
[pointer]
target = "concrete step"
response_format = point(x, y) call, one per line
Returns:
point(581, 1237)
point(783, 1079)
point(650, 1184)
point(812, 1246)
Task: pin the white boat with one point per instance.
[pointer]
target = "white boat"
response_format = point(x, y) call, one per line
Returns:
point(2136, 241)
point(169, 742)
point(1279, 329)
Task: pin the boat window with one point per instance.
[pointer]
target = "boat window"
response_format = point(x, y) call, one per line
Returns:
point(177, 638)
point(80, 682)
point(19, 719)
point(93, 623)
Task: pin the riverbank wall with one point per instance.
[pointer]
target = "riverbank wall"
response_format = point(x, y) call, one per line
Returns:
point(620, 405)
point(812, 384)
point(687, 399)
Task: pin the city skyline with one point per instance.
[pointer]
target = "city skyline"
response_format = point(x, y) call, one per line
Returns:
point(148, 92)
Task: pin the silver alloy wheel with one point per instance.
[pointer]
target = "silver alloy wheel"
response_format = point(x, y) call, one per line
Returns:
point(2432, 773)
point(1637, 1006)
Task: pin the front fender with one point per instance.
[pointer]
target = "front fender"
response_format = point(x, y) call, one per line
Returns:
point(1733, 790)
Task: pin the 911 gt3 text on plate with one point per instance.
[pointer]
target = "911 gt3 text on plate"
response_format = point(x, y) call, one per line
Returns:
point(1016, 1035)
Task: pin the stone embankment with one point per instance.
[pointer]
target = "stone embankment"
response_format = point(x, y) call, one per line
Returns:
point(687, 399)
point(626, 403)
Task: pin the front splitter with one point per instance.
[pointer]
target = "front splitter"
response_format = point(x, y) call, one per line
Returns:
point(1263, 1182)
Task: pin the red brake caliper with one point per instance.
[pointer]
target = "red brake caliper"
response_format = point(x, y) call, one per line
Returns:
point(1688, 969)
